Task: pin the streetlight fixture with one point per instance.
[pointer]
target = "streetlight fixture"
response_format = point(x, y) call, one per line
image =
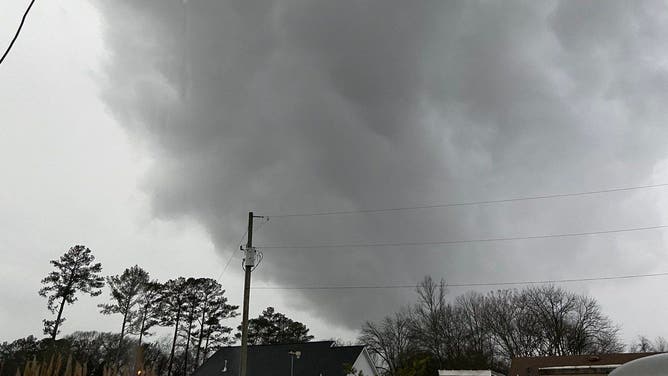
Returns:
point(293, 354)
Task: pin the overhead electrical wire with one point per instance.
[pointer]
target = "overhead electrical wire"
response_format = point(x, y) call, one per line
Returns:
point(482, 284)
point(467, 203)
point(18, 31)
point(464, 241)
point(229, 260)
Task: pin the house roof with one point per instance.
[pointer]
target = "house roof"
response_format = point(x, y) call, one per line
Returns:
point(317, 358)
point(530, 366)
point(467, 372)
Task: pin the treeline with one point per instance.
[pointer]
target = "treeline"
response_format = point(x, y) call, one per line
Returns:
point(194, 308)
point(96, 350)
point(99, 350)
point(478, 331)
point(473, 331)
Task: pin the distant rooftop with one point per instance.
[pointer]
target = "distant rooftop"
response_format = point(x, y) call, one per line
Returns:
point(601, 364)
point(467, 372)
point(316, 358)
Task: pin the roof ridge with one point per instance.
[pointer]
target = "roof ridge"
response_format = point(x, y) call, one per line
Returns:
point(589, 355)
point(281, 344)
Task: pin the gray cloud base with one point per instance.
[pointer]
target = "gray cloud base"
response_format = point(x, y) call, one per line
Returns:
point(298, 106)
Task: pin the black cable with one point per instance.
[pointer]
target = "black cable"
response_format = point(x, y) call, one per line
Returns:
point(465, 241)
point(229, 260)
point(234, 252)
point(23, 20)
point(469, 203)
point(484, 284)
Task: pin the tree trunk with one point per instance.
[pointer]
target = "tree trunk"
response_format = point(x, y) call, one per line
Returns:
point(141, 327)
point(206, 345)
point(125, 320)
point(171, 355)
point(201, 335)
point(57, 323)
point(190, 327)
point(70, 283)
point(120, 341)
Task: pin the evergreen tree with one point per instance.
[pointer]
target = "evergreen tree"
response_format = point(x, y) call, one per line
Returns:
point(273, 328)
point(149, 304)
point(75, 272)
point(125, 292)
point(174, 304)
point(213, 309)
point(192, 305)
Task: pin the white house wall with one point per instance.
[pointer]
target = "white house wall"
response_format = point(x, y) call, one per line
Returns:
point(363, 363)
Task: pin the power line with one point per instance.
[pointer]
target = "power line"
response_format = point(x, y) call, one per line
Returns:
point(467, 203)
point(484, 284)
point(464, 241)
point(229, 260)
point(23, 20)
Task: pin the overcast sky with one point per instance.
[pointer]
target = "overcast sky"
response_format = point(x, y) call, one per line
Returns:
point(147, 130)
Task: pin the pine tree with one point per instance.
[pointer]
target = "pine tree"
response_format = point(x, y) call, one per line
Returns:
point(174, 304)
point(125, 292)
point(214, 308)
point(274, 328)
point(149, 305)
point(75, 272)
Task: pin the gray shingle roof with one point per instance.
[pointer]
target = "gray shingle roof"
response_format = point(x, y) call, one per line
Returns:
point(317, 358)
point(530, 366)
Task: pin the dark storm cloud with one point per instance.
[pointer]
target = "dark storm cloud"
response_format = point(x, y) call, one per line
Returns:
point(299, 106)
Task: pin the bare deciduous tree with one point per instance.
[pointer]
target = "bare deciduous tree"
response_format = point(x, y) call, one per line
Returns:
point(644, 344)
point(486, 331)
point(389, 341)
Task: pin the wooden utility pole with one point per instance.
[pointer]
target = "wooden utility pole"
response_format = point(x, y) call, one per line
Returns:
point(249, 262)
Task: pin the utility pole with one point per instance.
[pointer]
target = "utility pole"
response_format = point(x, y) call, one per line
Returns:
point(249, 263)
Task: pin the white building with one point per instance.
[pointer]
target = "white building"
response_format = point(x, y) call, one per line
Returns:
point(655, 365)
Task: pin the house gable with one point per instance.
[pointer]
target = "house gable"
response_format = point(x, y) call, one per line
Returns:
point(364, 364)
